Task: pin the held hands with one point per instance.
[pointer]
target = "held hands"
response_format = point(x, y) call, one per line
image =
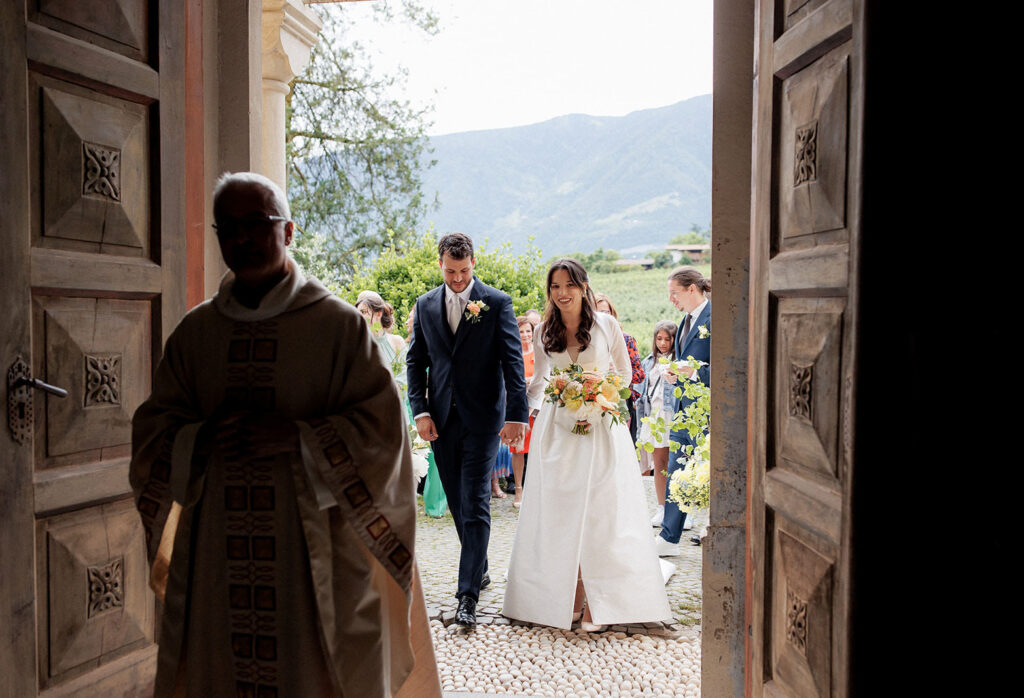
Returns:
point(511, 433)
point(425, 427)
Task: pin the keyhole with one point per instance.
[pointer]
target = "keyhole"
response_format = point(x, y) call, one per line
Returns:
point(21, 410)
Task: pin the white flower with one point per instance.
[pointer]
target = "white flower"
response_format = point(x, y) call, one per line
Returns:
point(420, 465)
point(588, 412)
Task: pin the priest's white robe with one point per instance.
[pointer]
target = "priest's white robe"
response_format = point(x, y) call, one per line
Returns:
point(288, 575)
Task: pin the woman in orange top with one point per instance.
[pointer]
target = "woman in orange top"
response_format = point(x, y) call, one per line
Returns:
point(519, 454)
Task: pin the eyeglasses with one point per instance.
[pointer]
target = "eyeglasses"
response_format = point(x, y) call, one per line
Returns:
point(229, 227)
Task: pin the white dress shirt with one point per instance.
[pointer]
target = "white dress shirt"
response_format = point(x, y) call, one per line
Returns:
point(459, 300)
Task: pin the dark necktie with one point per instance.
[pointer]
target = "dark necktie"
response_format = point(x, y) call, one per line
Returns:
point(686, 327)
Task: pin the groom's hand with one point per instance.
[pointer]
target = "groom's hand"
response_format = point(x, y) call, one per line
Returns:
point(425, 426)
point(510, 433)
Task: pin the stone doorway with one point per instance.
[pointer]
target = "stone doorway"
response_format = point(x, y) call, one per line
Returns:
point(707, 593)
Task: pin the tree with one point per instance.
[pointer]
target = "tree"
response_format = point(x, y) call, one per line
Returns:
point(662, 259)
point(695, 236)
point(354, 150)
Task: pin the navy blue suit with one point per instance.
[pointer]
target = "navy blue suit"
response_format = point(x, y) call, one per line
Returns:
point(700, 349)
point(471, 383)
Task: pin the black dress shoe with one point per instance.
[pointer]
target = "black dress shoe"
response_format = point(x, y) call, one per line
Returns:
point(466, 613)
point(485, 582)
point(695, 540)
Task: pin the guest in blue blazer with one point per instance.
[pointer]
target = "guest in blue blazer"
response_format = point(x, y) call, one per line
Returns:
point(689, 292)
point(473, 395)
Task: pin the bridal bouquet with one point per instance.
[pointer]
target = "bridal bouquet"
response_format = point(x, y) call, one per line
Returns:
point(590, 395)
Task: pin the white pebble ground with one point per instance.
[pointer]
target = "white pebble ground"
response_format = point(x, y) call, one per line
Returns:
point(503, 658)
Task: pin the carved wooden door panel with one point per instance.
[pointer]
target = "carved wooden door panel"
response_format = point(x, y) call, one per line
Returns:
point(803, 287)
point(92, 279)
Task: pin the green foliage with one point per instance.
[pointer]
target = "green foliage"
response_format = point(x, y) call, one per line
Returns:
point(600, 261)
point(310, 251)
point(354, 151)
point(690, 488)
point(695, 236)
point(402, 273)
point(662, 259)
point(520, 276)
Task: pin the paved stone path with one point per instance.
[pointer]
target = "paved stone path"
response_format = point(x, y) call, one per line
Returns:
point(507, 657)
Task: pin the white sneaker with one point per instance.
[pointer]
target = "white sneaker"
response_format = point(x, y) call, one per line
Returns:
point(688, 522)
point(664, 548)
point(658, 517)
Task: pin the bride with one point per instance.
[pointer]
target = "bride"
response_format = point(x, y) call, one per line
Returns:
point(583, 545)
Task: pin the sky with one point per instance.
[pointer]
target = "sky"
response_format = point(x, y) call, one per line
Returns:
point(499, 63)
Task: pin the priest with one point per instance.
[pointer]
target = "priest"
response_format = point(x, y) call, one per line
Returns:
point(272, 472)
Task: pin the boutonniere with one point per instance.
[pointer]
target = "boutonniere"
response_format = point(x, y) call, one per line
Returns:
point(703, 332)
point(474, 309)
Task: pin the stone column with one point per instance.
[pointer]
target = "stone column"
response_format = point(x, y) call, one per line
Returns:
point(724, 561)
point(289, 31)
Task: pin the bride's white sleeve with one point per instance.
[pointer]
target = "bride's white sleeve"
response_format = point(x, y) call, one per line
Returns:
point(617, 344)
point(541, 368)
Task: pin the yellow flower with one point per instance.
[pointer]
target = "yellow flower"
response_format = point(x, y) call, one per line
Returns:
point(610, 392)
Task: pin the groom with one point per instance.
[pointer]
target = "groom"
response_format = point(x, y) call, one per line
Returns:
point(465, 353)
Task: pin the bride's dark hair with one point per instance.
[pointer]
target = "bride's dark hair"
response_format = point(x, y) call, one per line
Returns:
point(554, 329)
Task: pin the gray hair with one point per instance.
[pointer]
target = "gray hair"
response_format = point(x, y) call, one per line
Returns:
point(233, 179)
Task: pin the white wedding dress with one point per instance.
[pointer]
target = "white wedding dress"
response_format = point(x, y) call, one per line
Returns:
point(583, 509)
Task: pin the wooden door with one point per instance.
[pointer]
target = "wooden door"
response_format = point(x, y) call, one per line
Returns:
point(804, 278)
point(92, 278)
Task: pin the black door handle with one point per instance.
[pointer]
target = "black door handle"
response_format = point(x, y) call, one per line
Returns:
point(39, 385)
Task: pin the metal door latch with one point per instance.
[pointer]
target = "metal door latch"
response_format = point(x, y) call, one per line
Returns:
point(19, 398)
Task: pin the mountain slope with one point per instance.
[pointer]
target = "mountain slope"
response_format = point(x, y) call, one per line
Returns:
point(578, 182)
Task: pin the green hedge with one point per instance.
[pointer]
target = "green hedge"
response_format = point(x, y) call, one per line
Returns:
point(401, 276)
